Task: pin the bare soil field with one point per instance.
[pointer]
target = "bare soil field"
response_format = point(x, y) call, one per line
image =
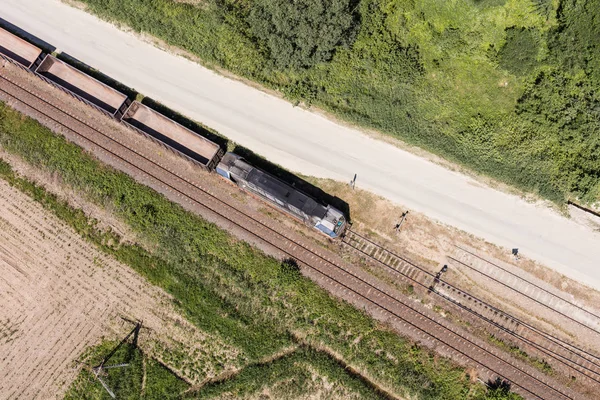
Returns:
point(60, 295)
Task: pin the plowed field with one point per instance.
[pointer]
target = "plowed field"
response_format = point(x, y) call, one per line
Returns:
point(59, 295)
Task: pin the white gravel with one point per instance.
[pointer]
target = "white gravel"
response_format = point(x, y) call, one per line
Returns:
point(305, 142)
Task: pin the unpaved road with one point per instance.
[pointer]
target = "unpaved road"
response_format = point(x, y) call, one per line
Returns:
point(308, 143)
point(59, 295)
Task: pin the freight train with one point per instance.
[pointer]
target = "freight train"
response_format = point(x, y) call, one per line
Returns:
point(171, 135)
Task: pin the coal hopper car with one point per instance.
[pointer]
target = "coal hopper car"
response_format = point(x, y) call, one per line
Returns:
point(326, 219)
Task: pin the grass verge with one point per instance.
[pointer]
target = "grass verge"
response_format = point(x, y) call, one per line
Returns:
point(143, 378)
point(301, 374)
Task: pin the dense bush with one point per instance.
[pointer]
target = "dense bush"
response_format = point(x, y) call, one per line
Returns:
point(302, 33)
point(519, 53)
point(568, 109)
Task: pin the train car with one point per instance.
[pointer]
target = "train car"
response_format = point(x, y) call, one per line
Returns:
point(18, 49)
point(326, 219)
point(86, 88)
point(172, 135)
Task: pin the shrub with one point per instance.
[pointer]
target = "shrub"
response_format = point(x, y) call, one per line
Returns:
point(519, 53)
point(300, 34)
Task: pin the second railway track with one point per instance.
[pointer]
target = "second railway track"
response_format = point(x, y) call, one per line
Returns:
point(578, 360)
point(355, 286)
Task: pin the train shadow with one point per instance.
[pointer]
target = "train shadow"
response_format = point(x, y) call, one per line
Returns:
point(133, 94)
point(186, 122)
point(254, 159)
point(293, 180)
point(28, 37)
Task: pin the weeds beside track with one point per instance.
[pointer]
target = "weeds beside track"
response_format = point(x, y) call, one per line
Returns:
point(576, 359)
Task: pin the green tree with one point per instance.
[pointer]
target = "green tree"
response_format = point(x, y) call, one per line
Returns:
point(302, 33)
point(518, 55)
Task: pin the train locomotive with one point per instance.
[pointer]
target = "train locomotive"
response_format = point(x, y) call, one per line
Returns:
point(326, 219)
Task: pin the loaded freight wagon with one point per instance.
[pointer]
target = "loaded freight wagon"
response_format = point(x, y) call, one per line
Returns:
point(327, 219)
point(90, 90)
point(18, 49)
point(174, 136)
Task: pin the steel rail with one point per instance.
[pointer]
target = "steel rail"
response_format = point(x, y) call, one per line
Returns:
point(573, 365)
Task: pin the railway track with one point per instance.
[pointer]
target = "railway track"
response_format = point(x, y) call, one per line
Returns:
point(523, 287)
point(355, 286)
point(578, 360)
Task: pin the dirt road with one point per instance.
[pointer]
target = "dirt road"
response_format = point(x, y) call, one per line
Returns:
point(308, 143)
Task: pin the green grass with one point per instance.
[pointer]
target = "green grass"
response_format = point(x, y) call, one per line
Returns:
point(456, 78)
point(297, 375)
point(302, 372)
point(542, 365)
point(221, 285)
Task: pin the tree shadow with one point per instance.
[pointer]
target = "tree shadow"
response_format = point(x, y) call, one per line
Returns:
point(290, 265)
point(499, 385)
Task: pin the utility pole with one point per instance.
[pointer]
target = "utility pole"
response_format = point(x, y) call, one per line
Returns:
point(399, 224)
point(436, 280)
point(515, 253)
point(353, 182)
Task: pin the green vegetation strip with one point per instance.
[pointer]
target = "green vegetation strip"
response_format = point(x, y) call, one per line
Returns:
point(222, 285)
point(298, 375)
point(542, 365)
point(510, 89)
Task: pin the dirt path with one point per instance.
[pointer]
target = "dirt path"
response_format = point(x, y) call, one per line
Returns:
point(60, 295)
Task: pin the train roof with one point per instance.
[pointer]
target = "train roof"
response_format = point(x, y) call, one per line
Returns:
point(280, 190)
point(286, 193)
point(82, 84)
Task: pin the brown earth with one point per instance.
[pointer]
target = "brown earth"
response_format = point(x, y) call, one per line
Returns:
point(60, 295)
